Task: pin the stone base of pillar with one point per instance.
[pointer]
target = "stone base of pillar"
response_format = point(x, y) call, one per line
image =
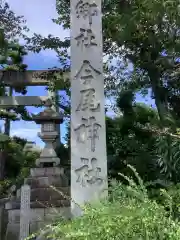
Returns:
point(50, 200)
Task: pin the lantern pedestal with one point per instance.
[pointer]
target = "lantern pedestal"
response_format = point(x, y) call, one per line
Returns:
point(48, 155)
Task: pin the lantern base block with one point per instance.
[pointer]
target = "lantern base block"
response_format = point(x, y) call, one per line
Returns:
point(41, 162)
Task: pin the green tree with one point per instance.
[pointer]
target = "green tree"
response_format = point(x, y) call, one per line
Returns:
point(130, 139)
point(143, 34)
point(13, 61)
point(13, 26)
point(136, 138)
point(141, 39)
point(146, 35)
point(11, 58)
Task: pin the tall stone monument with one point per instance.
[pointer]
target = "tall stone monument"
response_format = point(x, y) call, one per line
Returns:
point(88, 142)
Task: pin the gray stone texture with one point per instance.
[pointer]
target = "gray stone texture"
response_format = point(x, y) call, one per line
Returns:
point(24, 101)
point(47, 172)
point(12, 232)
point(3, 222)
point(54, 96)
point(24, 212)
point(49, 201)
point(88, 141)
point(42, 182)
point(48, 119)
point(38, 218)
point(30, 77)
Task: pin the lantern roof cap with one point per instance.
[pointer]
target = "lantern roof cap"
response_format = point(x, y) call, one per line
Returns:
point(48, 115)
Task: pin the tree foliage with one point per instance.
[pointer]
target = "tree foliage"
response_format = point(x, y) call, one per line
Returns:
point(130, 139)
point(11, 59)
point(142, 39)
point(12, 25)
point(17, 163)
point(146, 35)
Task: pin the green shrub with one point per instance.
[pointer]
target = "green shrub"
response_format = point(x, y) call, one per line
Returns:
point(127, 214)
point(169, 198)
point(17, 164)
point(4, 186)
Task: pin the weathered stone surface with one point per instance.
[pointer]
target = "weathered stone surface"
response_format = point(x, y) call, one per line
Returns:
point(46, 204)
point(24, 101)
point(45, 172)
point(4, 224)
point(48, 120)
point(12, 232)
point(24, 212)
point(88, 141)
point(39, 204)
point(14, 216)
point(54, 95)
point(34, 215)
point(37, 225)
point(40, 214)
point(51, 213)
point(41, 182)
point(3, 201)
point(30, 77)
point(55, 160)
point(18, 193)
point(51, 203)
point(48, 115)
point(44, 233)
point(1, 221)
point(46, 194)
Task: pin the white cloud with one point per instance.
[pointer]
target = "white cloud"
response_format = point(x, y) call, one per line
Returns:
point(27, 130)
point(30, 134)
point(39, 15)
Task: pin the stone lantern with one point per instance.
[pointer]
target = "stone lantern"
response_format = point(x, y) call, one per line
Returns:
point(48, 120)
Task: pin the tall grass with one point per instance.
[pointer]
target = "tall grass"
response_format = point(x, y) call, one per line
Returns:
point(127, 214)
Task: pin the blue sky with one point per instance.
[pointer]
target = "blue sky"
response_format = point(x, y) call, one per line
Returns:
point(39, 14)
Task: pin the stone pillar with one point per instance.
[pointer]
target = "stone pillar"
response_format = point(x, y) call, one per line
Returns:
point(88, 142)
point(24, 212)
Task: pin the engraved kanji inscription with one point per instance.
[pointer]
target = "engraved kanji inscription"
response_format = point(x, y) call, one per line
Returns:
point(88, 130)
point(87, 73)
point(88, 101)
point(89, 172)
point(86, 10)
point(86, 38)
